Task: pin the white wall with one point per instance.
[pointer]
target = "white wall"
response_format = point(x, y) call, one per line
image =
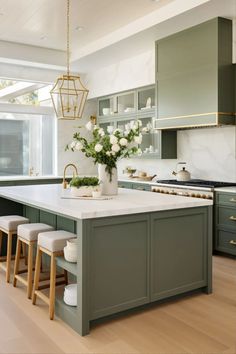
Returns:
point(66, 129)
point(124, 75)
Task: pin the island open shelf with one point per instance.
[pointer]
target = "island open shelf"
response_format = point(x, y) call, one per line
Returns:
point(70, 267)
point(135, 249)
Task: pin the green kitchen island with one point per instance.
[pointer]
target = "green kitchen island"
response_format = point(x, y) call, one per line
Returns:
point(134, 249)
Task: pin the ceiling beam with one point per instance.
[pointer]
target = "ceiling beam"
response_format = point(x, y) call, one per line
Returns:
point(18, 89)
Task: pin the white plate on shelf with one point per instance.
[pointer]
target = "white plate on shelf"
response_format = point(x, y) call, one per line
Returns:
point(70, 295)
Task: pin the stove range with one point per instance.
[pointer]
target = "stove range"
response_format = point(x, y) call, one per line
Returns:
point(195, 188)
point(197, 183)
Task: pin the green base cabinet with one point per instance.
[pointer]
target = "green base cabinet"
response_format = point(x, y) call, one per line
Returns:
point(133, 185)
point(179, 252)
point(225, 223)
point(128, 261)
point(119, 268)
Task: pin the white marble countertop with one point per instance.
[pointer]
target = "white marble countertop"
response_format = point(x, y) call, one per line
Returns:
point(226, 189)
point(27, 178)
point(48, 197)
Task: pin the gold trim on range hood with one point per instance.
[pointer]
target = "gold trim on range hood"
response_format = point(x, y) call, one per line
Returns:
point(218, 122)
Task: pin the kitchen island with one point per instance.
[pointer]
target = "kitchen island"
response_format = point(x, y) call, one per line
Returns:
point(134, 249)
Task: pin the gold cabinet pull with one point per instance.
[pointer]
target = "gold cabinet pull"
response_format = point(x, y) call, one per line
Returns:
point(232, 218)
point(232, 242)
point(233, 200)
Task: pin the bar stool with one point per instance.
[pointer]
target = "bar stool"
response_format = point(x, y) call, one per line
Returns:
point(8, 225)
point(27, 234)
point(51, 243)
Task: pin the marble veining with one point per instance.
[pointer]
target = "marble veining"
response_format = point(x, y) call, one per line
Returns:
point(209, 153)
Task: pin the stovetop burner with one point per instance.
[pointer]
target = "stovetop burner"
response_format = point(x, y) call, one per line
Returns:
point(198, 183)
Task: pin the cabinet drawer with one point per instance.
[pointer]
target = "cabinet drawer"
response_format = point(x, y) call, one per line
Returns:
point(141, 187)
point(226, 241)
point(226, 199)
point(226, 216)
point(125, 185)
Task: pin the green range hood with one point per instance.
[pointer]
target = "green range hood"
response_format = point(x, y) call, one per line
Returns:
point(195, 77)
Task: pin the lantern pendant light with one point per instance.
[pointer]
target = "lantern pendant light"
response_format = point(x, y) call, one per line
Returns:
point(69, 94)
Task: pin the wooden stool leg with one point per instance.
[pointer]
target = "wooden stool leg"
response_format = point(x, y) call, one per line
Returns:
point(30, 270)
point(36, 274)
point(24, 253)
point(52, 286)
point(66, 276)
point(17, 261)
point(9, 250)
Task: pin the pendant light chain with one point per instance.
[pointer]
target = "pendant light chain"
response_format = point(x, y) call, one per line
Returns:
point(68, 94)
point(68, 37)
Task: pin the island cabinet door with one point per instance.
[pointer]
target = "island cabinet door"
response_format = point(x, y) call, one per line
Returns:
point(179, 241)
point(119, 264)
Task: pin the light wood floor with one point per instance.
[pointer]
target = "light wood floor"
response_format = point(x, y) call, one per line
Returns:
point(197, 324)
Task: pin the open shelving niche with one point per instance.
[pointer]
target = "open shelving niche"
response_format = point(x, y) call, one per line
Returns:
point(68, 313)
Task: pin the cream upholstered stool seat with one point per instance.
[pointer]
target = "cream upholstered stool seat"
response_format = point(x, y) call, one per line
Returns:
point(8, 226)
point(28, 235)
point(51, 243)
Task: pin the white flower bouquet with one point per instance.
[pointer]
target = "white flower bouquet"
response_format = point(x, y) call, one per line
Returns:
point(107, 147)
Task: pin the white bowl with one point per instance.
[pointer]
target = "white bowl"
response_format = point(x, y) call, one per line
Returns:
point(70, 295)
point(70, 256)
point(106, 111)
point(85, 191)
point(71, 250)
point(96, 194)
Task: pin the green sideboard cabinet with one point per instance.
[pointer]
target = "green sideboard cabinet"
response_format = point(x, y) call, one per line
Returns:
point(133, 185)
point(194, 77)
point(119, 109)
point(225, 223)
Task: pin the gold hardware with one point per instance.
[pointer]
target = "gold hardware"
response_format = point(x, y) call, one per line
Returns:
point(64, 182)
point(232, 218)
point(233, 200)
point(68, 94)
point(200, 115)
point(232, 242)
point(93, 119)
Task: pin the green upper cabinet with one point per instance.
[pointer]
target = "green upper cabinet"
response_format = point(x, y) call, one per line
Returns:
point(115, 111)
point(194, 77)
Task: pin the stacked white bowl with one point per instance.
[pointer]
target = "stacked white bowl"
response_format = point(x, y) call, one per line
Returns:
point(70, 295)
point(71, 250)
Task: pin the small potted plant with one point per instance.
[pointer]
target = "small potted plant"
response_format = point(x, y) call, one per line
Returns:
point(84, 186)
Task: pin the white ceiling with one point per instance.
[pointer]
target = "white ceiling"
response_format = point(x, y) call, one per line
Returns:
point(43, 22)
point(33, 32)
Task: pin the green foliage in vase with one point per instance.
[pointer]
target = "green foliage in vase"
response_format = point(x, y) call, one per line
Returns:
point(107, 147)
point(84, 181)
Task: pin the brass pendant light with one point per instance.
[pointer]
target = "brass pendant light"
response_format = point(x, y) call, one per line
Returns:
point(69, 94)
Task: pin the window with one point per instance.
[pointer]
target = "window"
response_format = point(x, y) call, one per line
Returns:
point(27, 129)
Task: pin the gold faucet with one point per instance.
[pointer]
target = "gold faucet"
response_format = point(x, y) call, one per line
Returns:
point(64, 182)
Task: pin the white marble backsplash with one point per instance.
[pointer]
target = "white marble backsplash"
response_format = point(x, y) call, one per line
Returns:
point(66, 129)
point(210, 153)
